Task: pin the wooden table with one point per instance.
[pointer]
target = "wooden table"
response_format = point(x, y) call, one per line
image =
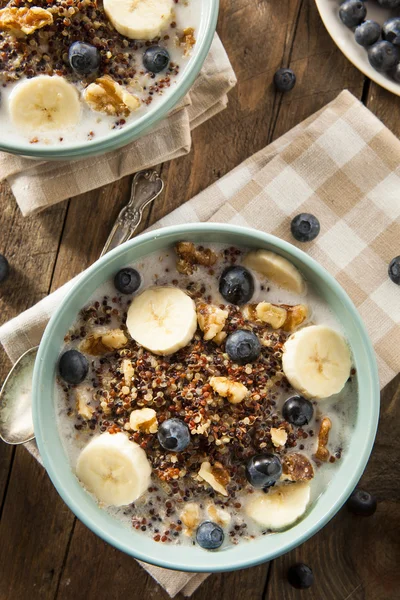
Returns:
point(45, 552)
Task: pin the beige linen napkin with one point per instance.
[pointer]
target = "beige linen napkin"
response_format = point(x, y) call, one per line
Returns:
point(342, 165)
point(37, 184)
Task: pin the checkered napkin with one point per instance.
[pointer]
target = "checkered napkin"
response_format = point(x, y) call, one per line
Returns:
point(38, 184)
point(342, 165)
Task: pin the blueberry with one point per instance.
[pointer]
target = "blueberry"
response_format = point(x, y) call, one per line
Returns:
point(236, 285)
point(297, 411)
point(263, 470)
point(209, 535)
point(352, 13)
point(284, 80)
point(174, 435)
point(383, 56)
point(84, 58)
point(300, 576)
point(389, 3)
point(305, 227)
point(395, 73)
point(391, 31)
point(394, 270)
point(243, 346)
point(127, 281)
point(367, 33)
point(4, 268)
point(73, 366)
point(361, 503)
point(156, 59)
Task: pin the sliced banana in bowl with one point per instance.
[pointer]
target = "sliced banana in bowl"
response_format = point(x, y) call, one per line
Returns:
point(281, 506)
point(139, 19)
point(277, 269)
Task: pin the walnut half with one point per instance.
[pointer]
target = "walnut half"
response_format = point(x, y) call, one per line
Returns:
point(189, 256)
point(107, 96)
point(211, 319)
point(23, 21)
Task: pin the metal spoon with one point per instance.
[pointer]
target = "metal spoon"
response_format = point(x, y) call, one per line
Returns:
point(16, 426)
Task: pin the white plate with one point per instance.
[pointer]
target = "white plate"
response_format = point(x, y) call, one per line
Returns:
point(344, 38)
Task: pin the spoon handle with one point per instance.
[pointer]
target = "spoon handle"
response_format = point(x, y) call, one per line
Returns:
point(146, 187)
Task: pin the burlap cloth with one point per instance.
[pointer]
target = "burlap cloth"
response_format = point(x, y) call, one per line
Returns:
point(341, 164)
point(37, 184)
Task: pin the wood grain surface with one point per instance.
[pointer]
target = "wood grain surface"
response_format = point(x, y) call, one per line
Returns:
point(45, 553)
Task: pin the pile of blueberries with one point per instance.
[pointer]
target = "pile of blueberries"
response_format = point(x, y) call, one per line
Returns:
point(382, 43)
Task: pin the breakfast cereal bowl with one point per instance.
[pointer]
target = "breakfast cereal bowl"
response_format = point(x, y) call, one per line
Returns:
point(335, 475)
point(85, 77)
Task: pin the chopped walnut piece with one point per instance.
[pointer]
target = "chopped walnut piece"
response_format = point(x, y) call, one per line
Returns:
point(103, 342)
point(271, 314)
point(216, 476)
point(83, 397)
point(187, 40)
point(218, 515)
point(107, 96)
point(189, 256)
point(234, 391)
point(23, 21)
point(144, 419)
point(296, 467)
point(295, 316)
point(282, 316)
point(278, 436)
point(220, 337)
point(190, 517)
point(128, 371)
point(211, 319)
point(322, 452)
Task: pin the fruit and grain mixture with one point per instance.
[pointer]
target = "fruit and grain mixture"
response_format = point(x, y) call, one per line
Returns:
point(192, 402)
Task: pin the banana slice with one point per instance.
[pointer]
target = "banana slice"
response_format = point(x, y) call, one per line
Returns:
point(44, 103)
point(162, 319)
point(281, 506)
point(316, 360)
point(114, 469)
point(139, 19)
point(278, 270)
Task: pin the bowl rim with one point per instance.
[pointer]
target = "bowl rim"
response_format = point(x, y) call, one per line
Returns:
point(146, 121)
point(303, 529)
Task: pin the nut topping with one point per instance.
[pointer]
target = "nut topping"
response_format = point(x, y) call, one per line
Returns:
point(83, 396)
point(107, 96)
point(234, 391)
point(216, 476)
point(322, 452)
point(189, 256)
point(211, 319)
point(144, 419)
point(23, 21)
point(279, 437)
point(103, 342)
point(297, 467)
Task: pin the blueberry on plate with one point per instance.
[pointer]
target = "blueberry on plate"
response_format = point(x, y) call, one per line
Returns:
point(174, 435)
point(84, 58)
point(209, 535)
point(156, 59)
point(305, 227)
point(127, 281)
point(297, 411)
point(395, 73)
point(284, 80)
point(300, 576)
point(391, 31)
point(4, 268)
point(362, 503)
point(389, 3)
point(73, 367)
point(263, 470)
point(394, 270)
point(367, 33)
point(243, 346)
point(352, 12)
point(383, 56)
point(236, 285)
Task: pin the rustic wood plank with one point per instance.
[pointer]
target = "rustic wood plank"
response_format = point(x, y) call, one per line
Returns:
point(247, 584)
point(354, 556)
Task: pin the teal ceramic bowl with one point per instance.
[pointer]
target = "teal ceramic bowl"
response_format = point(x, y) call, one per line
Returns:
point(141, 126)
point(193, 558)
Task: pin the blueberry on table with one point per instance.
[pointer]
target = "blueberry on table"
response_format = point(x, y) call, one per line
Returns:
point(394, 270)
point(4, 268)
point(73, 367)
point(284, 80)
point(243, 346)
point(367, 33)
point(236, 285)
point(127, 281)
point(209, 535)
point(391, 31)
point(84, 58)
point(156, 59)
point(383, 56)
point(305, 227)
point(263, 470)
point(362, 503)
point(297, 411)
point(174, 435)
point(352, 12)
point(300, 576)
